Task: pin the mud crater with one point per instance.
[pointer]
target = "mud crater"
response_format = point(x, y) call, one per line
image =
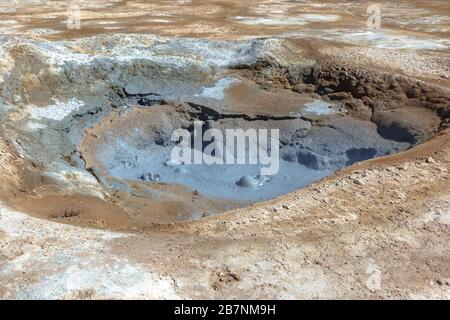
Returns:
point(112, 140)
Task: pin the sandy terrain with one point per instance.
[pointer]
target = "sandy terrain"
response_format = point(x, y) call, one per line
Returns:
point(77, 104)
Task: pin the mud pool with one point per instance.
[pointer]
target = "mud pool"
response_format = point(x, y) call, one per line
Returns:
point(308, 152)
point(92, 208)
point(236, 182)
point(98, 122)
